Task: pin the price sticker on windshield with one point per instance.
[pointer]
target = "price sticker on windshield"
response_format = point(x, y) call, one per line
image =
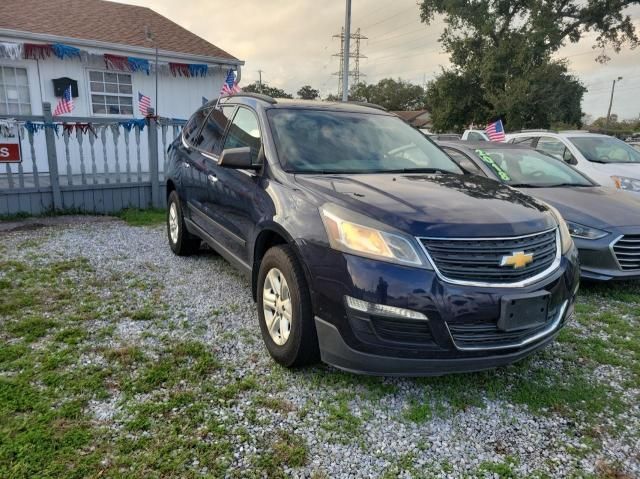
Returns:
point(493, 165)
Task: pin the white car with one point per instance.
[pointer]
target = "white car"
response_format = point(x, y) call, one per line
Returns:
point(607, 160)
point(475, 135)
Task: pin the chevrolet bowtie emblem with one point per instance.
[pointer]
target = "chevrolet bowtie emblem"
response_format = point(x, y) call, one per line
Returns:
point(518, 259)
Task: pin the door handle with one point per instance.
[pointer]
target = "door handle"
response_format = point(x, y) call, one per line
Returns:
point(187, 165)
point(212, 178)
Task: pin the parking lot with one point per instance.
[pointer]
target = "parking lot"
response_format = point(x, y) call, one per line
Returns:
point(120, 359)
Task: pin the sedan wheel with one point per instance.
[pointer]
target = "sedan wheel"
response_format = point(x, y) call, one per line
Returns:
point(277, 307)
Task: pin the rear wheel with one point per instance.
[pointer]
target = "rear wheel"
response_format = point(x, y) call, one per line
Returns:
point(284, 309)
point(181, 241)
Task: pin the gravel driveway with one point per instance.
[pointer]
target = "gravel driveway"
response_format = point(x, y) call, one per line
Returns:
point(185, 388)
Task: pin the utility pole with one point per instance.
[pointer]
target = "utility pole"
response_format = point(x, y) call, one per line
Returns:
point(346, 52)
point(613, 88)
point(260, 79)
point(353, 54)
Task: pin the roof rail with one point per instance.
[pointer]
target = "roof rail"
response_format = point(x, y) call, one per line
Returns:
point(257, 96)
point(533, 130)
point(370, 105)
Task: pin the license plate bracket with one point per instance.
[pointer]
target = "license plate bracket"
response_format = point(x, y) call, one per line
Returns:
point(523, 311)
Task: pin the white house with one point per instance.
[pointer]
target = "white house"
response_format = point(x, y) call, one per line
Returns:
point(93, 37)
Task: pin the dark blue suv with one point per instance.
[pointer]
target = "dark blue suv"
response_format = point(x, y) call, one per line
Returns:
point(366, 245)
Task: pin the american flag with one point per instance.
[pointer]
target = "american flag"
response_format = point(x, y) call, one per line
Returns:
point(495, 131)
point(65, 104)
point(144, 103)
point(229, 87)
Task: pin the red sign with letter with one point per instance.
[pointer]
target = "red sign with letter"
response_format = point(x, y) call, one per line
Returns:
point(9, 153)
point(10, 143)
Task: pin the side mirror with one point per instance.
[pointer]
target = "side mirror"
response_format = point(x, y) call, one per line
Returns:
point(238, 158)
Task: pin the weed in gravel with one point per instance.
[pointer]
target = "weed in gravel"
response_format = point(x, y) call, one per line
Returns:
point(503, 470)
point(418, 411)
point(150, 217)
point(288, 450)
point(341, 423)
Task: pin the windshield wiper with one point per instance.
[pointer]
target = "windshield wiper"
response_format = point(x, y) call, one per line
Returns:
point(418, 170)
point(525, 185)
point(553, 185)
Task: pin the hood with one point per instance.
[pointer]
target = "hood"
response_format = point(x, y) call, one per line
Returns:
point(630, 170)
point(434, 204)
point(597, 206)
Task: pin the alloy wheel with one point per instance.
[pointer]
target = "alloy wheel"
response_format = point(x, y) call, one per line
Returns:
point(276, 303)
point(173, 223)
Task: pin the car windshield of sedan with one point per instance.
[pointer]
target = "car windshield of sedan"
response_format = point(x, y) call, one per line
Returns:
point(605, 149)
point(521, 167)
point(316, 141)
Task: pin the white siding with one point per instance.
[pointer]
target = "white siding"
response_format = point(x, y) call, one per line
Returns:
point(178, 96)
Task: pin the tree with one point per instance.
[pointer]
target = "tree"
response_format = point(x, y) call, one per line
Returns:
point(266, 90)
point(395, 95)
point(501, 55)
point(308, 93)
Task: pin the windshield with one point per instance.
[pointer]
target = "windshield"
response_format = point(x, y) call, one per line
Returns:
point(314, 141)
point(605, 149)
point(530, 168)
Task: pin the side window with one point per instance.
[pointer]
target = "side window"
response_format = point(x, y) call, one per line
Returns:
point(194, 125)
point(524, 140)
point(475, 136)
point(463, 162)
point(214, 128)
point(551, 146)
point(244, 131)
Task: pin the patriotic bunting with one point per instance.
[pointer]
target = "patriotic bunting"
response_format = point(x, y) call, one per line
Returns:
point(42, 51)
point(179, 69)
point(116, 62)
point(12, 51)
point(198, 70)
point(139, 65)
point(34, 51)
point(63, 51)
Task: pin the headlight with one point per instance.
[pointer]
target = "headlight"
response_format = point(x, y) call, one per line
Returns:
point(586, 232)
point(565, 236)
point(624, 183)
point(356, 234)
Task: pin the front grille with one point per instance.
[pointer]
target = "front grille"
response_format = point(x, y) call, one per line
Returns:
point(627, 251)
point(486, 334)
point(479, 259)
point(402, 331)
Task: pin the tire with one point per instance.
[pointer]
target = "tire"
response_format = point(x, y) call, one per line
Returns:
point(301, 344)
point(181, 241)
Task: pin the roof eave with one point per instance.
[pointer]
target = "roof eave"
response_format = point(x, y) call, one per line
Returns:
point(43, 37)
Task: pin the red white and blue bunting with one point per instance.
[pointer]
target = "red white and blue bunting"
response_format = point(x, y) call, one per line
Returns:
point(43, 51)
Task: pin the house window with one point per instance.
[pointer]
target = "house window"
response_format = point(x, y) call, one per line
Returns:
point(14, 91)
point(111, 93)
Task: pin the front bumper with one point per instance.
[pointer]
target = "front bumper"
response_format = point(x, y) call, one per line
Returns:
point(598, 261)
point(461, 331)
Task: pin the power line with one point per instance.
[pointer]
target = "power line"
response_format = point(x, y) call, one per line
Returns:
point(366, 27)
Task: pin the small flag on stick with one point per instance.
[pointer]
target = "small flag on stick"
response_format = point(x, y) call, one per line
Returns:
point(230, 86)
point(65, 104)
point(495, 131)
point(144, 103)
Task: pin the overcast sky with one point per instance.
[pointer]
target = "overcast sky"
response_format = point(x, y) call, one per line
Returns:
point(291, 41)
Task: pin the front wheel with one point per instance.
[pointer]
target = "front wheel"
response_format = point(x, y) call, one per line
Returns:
point(284, 309)
point(181, 241)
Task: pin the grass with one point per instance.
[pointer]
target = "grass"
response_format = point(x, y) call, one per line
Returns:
point(149, 217)
point(179, 408)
